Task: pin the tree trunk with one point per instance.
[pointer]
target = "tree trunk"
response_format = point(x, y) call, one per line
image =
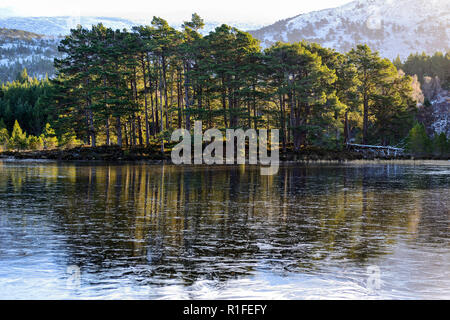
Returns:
point(186, 93)
point(133, 129)
point(119, 131)
point(283, 123)
point(126, 134)
point(180, 100)
point(108, 138)
point(147, 129)
point(166, 107)
point(92, 128)
point(366, 118)
point(162, 110)
point(346, 128)
point(139, 128)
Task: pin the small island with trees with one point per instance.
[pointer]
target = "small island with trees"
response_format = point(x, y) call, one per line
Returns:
point(119, 94)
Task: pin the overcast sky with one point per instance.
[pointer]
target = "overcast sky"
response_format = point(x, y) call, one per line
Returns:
point(253, 11)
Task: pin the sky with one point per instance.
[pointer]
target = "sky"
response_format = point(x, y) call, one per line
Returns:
point(249, 11)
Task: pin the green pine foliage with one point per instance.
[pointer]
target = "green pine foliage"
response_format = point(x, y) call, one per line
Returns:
point(441, 145)
point(18, 140)
point(48, 137)
point(35, 143)
point(418, 141)
point(131, 88)
point(4, 135)
point(69, 140)
point(23, 100)
point(135, 87)
point(422, 65)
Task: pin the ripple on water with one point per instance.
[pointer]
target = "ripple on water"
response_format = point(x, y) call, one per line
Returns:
point(167, 232)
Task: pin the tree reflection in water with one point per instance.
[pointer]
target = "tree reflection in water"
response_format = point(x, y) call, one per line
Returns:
point(159, 223)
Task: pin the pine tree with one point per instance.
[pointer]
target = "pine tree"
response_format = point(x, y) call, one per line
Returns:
point(441, 145)
point(74, 83)
point(23, 77)
point(393, 108)
point(418, 141)
point(135, 87)
point(373, 74)
point(398, 62)
point(69, 140)
point(304, 87)
point(35, 143)
point(18, 138)
point(4, 135)
point(49, 138)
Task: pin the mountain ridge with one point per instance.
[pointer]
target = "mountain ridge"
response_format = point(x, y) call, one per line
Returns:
point(61, 25)
point(9, 34)
point(392, 27)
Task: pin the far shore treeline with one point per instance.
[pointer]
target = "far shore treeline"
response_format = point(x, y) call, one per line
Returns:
point(131, 88)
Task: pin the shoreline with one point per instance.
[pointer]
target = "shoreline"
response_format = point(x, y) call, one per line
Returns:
point(149, 154)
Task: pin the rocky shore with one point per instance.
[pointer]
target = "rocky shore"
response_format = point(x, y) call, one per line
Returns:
point(115, 153)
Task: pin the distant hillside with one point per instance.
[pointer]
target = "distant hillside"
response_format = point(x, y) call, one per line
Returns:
point(393, 27)
point(57, 26)
point(14, 34)
point(22, 49)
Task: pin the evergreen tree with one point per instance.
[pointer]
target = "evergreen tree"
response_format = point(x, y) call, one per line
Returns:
point(69, 140)
point(18, 138)
point(370, 73)
point(304, 88)
point(135, 87)
point(418, 141)
point(4, 135)
point(386, 96)
point(441, 146)
point(35, 143)
point(49, 138)
point(393, 108)
point(23, 77)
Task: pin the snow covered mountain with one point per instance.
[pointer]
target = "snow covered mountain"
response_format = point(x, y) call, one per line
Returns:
point(60, 26)
point(393, 27)
point(21, 49)
point(32, 42)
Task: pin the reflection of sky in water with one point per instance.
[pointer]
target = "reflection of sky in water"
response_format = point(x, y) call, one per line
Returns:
point(147, 232)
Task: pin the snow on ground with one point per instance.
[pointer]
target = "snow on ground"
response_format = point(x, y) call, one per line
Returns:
point(394, 28)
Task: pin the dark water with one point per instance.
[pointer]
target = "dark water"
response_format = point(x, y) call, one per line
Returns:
point(364, 230)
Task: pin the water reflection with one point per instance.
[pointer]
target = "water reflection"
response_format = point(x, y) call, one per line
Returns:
point(171, 226)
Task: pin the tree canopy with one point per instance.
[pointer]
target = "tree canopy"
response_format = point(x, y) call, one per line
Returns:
point(133, 87)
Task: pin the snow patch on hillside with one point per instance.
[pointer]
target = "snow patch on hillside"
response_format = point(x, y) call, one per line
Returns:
point(394, 28)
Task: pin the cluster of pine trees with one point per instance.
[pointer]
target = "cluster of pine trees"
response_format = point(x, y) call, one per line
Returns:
point(420, 143)
point(135, 87)
point(423, 65)
point(23, 100)
point(25, 117)
point(19, 140)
